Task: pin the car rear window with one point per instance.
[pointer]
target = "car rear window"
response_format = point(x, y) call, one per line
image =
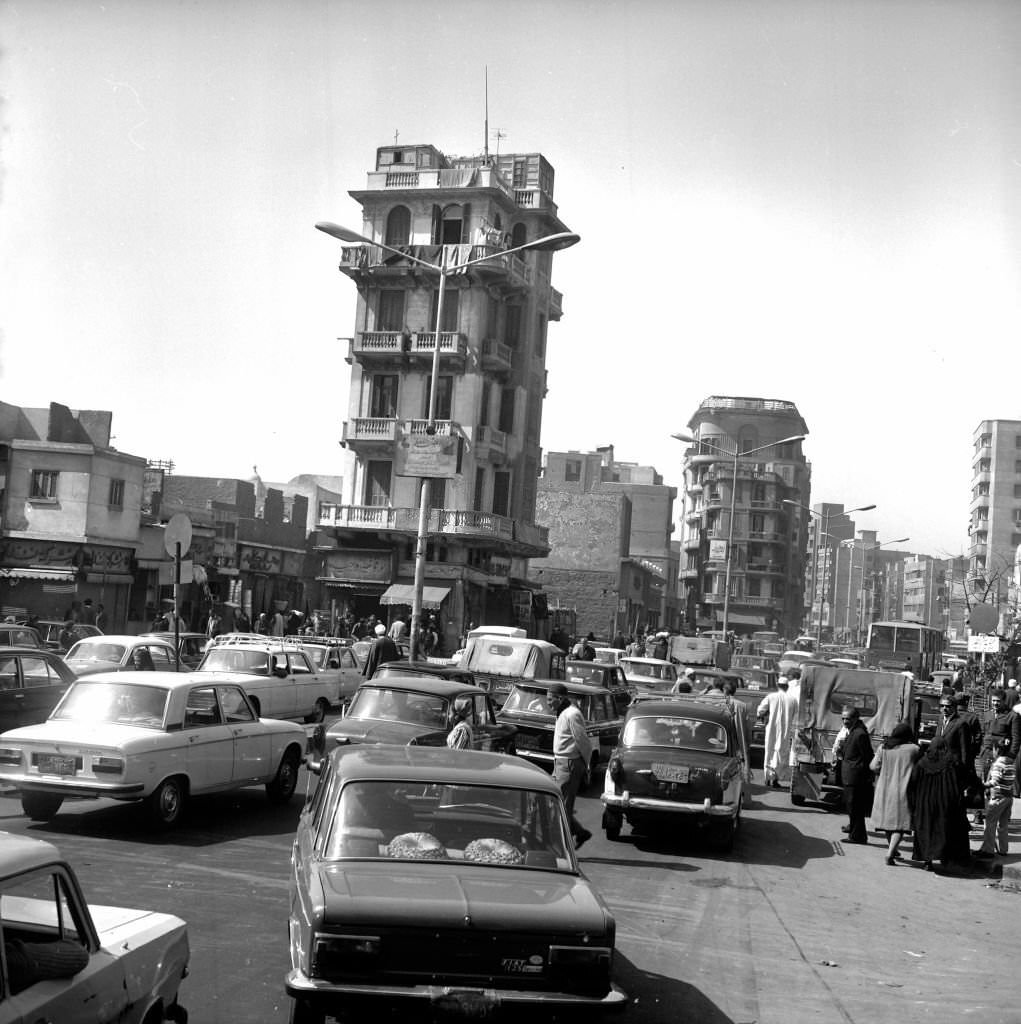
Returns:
point(229, 659)
point(114, 703)
point(383, 703)
point(675, 732)
point(422, 820)
point(90, 652)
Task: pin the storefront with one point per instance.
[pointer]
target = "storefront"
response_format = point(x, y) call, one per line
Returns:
point(54, 580)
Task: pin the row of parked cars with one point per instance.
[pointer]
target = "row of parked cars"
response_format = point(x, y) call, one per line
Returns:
point(402, 841)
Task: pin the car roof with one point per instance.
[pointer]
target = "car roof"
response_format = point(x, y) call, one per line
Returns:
point(649, 661)
point(442, 765)
point(23, 853)
point(168, 680)
point(422, 682)
point(395, 669)
point(34, 651)
point(709, 708)
point(117, 639)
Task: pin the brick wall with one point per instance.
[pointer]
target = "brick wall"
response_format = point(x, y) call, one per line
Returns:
point(591, 593)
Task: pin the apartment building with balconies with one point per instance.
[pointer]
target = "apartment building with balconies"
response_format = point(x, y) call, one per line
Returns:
point(421, 206)
point(743, 547)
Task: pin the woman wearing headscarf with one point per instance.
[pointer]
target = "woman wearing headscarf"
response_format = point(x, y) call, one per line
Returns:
point(936, 797)
point(894, 762)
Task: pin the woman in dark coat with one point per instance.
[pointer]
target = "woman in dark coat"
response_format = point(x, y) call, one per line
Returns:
point(938, 814)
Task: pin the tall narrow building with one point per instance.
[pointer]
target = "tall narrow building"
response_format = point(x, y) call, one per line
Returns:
point(428, 208)
point(744, 546)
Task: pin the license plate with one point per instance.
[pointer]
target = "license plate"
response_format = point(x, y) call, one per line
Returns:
point(670, 772)
point(56, 764)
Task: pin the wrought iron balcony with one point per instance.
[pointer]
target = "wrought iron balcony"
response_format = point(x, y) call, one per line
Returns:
point(375, 430)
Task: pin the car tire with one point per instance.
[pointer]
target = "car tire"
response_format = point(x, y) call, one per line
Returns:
point(304, 1013)
point(282, 788)
point(40, 806)
point(612, 824)
point(320, 713)
point(797, 799)
point(165, 803)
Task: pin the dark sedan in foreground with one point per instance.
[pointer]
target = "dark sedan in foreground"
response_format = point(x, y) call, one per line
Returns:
point(428, 882)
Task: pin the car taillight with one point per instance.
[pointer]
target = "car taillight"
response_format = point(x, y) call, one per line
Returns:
point(333, 955)
point(108, 765)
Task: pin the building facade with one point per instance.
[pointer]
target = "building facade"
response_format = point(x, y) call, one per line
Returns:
point(70, 507)
point(427, 209)
point(995, 515)
point(744, 545)
point(611, 559)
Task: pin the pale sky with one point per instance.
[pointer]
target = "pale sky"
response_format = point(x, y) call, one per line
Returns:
point(811, 201)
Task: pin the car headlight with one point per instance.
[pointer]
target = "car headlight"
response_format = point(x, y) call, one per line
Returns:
point(335, 955)
point(108, 765)
point(10, 756)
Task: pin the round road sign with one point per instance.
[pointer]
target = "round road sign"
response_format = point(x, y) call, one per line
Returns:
point(178, 531)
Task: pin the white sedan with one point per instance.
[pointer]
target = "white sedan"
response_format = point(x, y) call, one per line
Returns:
point(159, 737)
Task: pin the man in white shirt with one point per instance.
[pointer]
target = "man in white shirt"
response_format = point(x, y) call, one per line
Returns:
point(572, 751)
point(778, 731)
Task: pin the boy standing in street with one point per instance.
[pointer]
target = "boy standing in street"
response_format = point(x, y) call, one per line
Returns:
point(999, 784)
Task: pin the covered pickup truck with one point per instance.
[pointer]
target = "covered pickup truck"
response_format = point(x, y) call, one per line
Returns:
point(699, 652)
point(498, 662)
point(882, 698)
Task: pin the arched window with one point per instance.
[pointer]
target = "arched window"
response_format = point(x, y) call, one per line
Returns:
point(519, 235)
point(398, 226)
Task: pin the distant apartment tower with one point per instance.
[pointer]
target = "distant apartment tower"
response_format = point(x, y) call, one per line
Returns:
point(609, 526)
point(769, 537)
point(995, 520)
point(490, 388)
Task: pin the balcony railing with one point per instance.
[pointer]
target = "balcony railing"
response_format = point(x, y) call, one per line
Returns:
point(512, 268)
point(440, 177)
point(494, 441)
point(446, 522)
point(370, 428)
point(423, 343)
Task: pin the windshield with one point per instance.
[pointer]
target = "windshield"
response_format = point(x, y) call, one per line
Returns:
point(233, 659)
point(491, 654)
point(674, 731)
point(528, 698)
point(759, 679)
point(588, 673)
point(85, 653)
point(382, 703)
point(649, 670)
point(113, 703)
point(500, 828)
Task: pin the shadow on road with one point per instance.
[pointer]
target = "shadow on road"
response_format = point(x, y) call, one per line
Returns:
point(206, 820)
point(656, 999)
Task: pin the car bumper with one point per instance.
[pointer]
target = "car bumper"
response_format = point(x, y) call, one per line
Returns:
point(626, 802)
point(72, 787)
point(459, 999)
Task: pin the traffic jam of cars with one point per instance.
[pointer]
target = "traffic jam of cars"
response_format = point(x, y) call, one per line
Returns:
point(425, 872)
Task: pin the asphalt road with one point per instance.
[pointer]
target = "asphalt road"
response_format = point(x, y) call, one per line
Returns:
point(791, 927)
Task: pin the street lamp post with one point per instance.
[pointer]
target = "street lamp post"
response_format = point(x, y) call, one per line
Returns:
point(825, 517)
point(548, 243)
point(736, 455)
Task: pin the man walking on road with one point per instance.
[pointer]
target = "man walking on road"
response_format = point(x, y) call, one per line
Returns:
point(856, 775)
point(775, 710)
point(383, 650)
point(572, 751)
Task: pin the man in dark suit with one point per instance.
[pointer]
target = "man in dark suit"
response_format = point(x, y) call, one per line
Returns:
point(855, 775)
point(383, 650)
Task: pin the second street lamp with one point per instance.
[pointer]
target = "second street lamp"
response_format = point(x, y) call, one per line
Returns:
point(736, 455)
point(860, 603)
point(548, 243)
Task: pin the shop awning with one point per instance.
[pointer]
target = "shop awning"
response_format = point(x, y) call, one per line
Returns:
point(404, 593)
point(39, 573)
point(118, 578)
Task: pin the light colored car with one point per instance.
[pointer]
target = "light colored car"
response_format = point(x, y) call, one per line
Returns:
point(429, 883)
point(192, 646)
point(278, 677)
point(104, 964)
point(120, 654)
point(159, 737)
point(649, 675)
point(49, 631)
point(334, 660)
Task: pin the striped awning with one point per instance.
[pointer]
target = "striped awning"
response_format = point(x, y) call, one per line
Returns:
point(37, 572)
point(404, 593)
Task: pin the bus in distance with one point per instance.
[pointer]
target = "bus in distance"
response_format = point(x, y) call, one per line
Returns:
point(898, 646)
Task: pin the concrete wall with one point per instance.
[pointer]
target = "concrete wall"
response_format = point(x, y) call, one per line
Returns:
point(592, 593)
point(586, 531)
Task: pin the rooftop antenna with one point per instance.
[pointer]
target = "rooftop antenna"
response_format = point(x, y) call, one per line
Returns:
point(486, 143)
